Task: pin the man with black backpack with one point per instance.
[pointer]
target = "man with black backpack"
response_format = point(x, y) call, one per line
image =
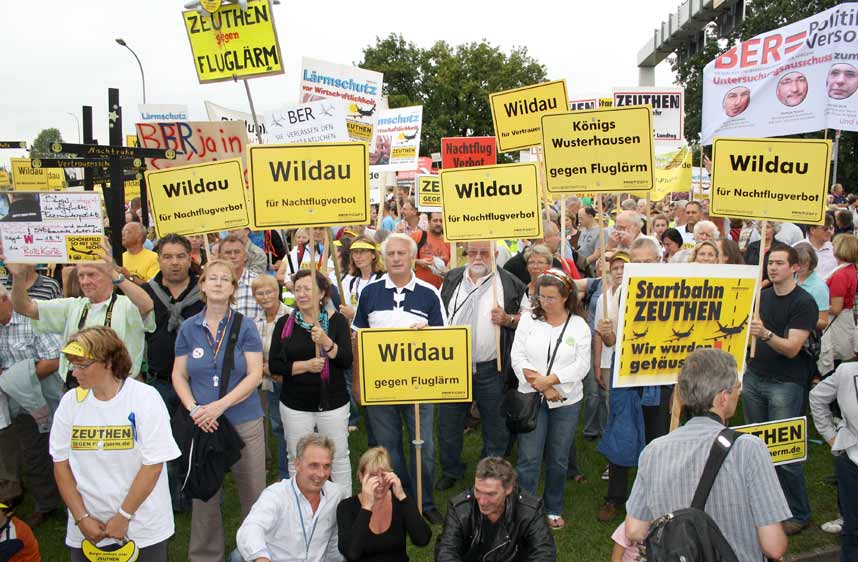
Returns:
point(728, 479)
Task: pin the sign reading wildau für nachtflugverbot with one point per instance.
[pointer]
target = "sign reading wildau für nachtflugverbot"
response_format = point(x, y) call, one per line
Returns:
point(309, 184)
point(491, 202)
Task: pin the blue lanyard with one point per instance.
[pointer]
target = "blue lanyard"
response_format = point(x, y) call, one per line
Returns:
point(307, 541)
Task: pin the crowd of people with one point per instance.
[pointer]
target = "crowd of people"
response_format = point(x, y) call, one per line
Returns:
point(127, 392)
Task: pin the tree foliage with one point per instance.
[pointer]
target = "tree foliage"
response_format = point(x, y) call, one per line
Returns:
point(452, 83)
point(760, 16)
point(42, 144)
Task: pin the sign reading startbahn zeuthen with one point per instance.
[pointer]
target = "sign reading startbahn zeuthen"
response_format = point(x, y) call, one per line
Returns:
point(407, 366)
point(234, 43)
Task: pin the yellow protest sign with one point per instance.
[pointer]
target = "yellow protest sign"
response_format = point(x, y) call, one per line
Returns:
point(770, 179)
point(491, 202)
point(84, 247)
point(127, 553)
point(5, 180)
point(606, 103)
point(516, 113)
point(786, 439)
point(672, 172)
point(27, 178)
point(234, 43)
point(404, 366)
point(309, 184)
point(197, 199)
point(668, 311)
point(428, 193)
point(131, 140)
point(599, 150)
point(132, 190)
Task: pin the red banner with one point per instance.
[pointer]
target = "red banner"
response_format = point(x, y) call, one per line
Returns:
point(465, 152)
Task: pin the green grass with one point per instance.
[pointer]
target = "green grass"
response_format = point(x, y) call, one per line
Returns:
point(584, 539)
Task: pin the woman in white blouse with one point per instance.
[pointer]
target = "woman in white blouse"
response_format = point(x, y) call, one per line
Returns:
point(551, 355)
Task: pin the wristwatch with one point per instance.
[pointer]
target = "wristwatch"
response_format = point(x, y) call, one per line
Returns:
point(767, 337)
point(119, 280)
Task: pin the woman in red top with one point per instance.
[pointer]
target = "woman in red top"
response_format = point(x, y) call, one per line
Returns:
point(842, 286)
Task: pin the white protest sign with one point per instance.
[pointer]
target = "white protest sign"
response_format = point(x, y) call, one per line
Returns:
point(795, 79)
point(358, 89)
point(51, 227)
point(317, 121)
point(667, 109)
point(396, 139)
point(220, 113)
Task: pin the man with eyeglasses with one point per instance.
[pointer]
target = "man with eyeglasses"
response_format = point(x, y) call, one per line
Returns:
point(819, 236)
point(627, 229)
point(233, 250)
point(468, 297)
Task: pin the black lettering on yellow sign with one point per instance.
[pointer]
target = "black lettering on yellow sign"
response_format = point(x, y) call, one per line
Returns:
point(416, 382)
point(786, 440)
point(532, 105)
point(759, 163)
point(414, 352)
point(481, 189)
point(228, 19)
point(294, 170)
point(105, 438)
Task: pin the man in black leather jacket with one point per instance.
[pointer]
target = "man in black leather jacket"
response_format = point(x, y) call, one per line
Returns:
point(496, 522)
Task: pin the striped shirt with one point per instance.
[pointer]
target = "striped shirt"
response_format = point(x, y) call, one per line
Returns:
point(384, 305)
point(44, 289)
point(245, 303)
point(746, 494)
point(18, 342)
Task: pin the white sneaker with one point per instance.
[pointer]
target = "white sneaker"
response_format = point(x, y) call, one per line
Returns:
point(833, 527)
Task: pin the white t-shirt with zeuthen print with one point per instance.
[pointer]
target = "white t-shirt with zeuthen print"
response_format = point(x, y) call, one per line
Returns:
point(106, 443)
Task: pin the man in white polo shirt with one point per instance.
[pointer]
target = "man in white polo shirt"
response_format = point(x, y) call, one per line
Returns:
point(400, 300)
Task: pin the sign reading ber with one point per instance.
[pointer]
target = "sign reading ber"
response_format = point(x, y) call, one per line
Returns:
point(405, 366)
point(516, 113)
point(198, 199)
point(491, 203)
point(599, 151)
point(309, 184)
point(770, 179)
point(466, 152)
point(234, 42)
point(786, 439)
point(428, 193)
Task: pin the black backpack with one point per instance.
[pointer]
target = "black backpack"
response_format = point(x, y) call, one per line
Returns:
point(689, 534)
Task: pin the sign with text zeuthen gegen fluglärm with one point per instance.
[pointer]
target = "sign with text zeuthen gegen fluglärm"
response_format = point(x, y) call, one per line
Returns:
point(234, 43)
point(317, 184)
point(599, 151)
point(491, 202)
point(770, 179)
point(405, 366)
point(516, 113)
point(198, 199)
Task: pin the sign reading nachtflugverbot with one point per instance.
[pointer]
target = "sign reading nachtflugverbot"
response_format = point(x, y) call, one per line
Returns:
point(405, 366)
point(599, 151)
point(199, 198)
point(309, 184)
point(770, 179)
point(234, 42)
point(516, 113)
point(666, 312)
point(795, 79)
point(464, 152)
point(53, 227)
point(491, 202)
point(667, 109)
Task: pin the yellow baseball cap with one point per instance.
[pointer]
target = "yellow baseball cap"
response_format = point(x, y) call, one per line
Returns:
point(362, 245)
point(76, 349)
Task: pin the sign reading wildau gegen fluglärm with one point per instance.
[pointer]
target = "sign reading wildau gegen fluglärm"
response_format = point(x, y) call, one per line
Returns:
point(234, 43)
point(406, 366)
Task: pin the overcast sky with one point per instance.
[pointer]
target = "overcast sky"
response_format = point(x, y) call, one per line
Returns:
point(58, 56)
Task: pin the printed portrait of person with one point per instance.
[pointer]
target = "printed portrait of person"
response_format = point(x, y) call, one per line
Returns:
point(736, 101)
point(842, 81)
point(792, 89)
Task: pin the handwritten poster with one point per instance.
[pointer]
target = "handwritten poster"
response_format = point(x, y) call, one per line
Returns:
point(52, 227)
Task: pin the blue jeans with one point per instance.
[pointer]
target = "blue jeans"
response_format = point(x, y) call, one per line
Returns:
point(353, 407)
point(488, 392)
point(768, 400)
point(273, 399)
point(555, 428)
point(595, 406)
point(847, 487)
point(386, 424)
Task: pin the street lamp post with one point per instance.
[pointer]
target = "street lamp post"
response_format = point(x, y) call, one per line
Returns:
point(143, 76)
point(77, 125)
